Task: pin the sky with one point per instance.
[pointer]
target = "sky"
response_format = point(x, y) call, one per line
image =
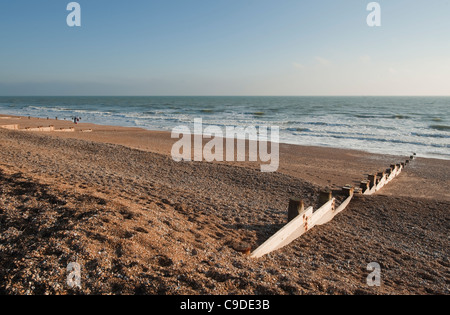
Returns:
point(224, 47)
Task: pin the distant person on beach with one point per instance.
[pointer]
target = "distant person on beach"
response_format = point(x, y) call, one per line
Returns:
point(76, 120)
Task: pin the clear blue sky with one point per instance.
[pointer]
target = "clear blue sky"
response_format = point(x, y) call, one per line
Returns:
point(224, 47)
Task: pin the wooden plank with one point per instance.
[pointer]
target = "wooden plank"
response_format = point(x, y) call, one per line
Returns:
point(65, 130)
point(370, 191)
point(393, 173)
point(381, 183)
point(10, 127)
point(317, 216)
point(287, 234)
point(390, 177)
point(331, 214)
point(47, 129)
point(293, 230)
point(304, 227)
point(344, 205)
point(33, 129)
point(400, 168)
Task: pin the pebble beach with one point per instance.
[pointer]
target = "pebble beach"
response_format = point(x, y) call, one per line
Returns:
point(137, 222)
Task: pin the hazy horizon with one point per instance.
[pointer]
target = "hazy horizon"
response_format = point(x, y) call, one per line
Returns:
point(205, 95)
point(224, 48)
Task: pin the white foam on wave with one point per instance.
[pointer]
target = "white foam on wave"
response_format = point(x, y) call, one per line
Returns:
point(355, 126)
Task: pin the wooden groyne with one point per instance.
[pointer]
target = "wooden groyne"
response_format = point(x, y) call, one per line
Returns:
point(10, 127)
point(41, 129)
point(302, 220)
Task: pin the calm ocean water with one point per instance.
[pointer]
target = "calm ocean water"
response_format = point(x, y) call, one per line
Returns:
point(391, 125)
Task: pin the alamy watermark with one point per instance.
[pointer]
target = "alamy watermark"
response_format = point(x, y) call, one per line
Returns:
point(74, 275)
point(374, 18)
point(228, 144)
point(374, 278)
point(74, 17)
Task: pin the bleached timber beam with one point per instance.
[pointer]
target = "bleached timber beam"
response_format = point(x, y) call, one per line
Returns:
point(294, 229)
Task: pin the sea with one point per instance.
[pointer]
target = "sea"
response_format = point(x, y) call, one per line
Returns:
point(385, 125)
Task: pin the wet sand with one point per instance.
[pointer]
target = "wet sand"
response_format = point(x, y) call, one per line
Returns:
point(114, 201)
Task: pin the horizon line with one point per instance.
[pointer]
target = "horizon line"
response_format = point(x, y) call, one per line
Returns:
point(206, 95)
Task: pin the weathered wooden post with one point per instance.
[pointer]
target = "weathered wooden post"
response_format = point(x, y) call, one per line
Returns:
point(325, 196)
point(365, 185)
point(372, 180)
point(348, 191)
point(296, 206)
point(381, 175)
